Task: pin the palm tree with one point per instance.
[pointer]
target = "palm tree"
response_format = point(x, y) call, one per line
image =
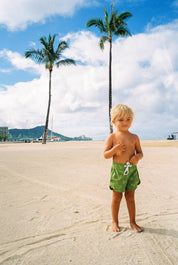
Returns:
point(114, 25)
point(49, 57)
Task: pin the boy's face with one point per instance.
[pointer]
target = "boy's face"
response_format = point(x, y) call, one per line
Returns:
point(123, 123)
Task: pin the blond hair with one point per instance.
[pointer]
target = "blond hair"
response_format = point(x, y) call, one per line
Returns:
point(121, 110)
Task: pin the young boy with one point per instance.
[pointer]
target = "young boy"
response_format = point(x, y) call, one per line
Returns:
point(125, 149)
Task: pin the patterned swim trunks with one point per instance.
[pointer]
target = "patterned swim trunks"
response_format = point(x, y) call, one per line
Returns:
point(124, 177)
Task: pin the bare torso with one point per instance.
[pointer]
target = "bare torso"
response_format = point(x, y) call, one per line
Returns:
point(128, 140)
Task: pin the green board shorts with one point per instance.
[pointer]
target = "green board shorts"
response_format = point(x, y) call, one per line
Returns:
point(124, 177)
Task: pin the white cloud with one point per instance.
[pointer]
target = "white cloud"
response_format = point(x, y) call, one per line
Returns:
point(18, 61)
point(18, 14)
point(90, 53)
point(145, 76)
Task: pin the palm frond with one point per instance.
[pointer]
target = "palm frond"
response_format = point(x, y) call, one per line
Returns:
point(103, 39)
point(112, 6)
point(122, 31)
point(112, 24)
point(61, 47)
point(51, 42)
point(112, 19)
point(65, 62)
point(52, 38)
point(98, 23)
point(36, 54)
point(125, 15)
point(106, 18)
point(44, 42)
point(113, 14)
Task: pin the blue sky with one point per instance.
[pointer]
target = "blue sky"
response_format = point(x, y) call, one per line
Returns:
point(145, 67)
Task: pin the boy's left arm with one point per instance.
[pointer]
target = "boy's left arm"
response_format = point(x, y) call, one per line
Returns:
point(139, 154)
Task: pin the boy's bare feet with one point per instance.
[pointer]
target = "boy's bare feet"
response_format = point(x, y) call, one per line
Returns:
point(136, 228)
point(115, 227)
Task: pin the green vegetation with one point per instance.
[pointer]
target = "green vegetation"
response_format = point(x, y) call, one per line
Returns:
point(37, 132)
point(3, 134)
point(3, 137)
point(111, 26)
point(50, 57)
point(34, 133)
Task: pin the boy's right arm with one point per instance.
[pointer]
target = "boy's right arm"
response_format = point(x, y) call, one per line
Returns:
point(111, 150)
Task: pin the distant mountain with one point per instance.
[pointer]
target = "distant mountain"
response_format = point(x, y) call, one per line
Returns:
point(37, 133)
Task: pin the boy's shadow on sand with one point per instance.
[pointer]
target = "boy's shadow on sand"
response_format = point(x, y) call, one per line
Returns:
point(160, 231)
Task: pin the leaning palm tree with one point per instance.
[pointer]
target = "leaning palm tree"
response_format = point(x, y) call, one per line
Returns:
point(115, 25)
point(49, 57)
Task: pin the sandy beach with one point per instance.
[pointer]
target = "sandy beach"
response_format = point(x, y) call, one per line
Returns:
point(55, 206)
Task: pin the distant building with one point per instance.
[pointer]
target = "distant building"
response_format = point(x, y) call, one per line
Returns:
point(3, 133)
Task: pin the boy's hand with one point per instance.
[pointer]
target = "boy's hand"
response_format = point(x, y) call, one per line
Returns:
point(134, 159)
point(119, 148)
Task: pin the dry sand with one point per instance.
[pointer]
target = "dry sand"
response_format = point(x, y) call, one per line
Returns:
point(55, 206)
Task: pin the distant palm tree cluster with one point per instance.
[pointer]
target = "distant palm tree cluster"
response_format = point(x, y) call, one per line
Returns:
point(111, 26)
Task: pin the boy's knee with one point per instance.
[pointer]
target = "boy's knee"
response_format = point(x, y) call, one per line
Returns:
point(117, 196)
point(129, 196)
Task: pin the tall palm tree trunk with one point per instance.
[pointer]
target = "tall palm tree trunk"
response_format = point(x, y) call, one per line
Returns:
point(48, 110)
point(110, 84)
